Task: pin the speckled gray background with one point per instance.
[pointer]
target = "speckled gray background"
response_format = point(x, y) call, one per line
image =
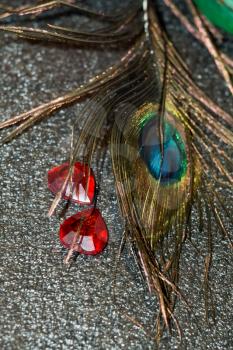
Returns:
point(42, 304)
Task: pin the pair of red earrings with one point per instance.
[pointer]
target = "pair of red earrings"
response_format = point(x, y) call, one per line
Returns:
point(86, 231)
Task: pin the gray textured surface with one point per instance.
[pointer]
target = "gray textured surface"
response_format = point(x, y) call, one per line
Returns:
point(42, 304)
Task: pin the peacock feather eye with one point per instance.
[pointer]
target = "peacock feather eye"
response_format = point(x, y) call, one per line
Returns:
point(168, 164)
point(158, 178)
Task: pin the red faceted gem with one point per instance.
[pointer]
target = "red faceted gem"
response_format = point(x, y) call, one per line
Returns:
point(81, 188)
point(85, 232)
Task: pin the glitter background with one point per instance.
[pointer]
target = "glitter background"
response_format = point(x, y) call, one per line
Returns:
point(42, 304)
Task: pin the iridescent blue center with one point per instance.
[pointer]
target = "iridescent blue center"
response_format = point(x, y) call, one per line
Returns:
point(167, 163)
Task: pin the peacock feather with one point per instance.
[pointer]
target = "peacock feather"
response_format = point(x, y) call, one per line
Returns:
point(163, 132)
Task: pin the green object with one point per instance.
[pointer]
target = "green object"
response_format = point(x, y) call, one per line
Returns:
point(219, 12)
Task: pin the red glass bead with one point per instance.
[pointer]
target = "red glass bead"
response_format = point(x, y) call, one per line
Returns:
point(81, 189)
point(85, 232)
